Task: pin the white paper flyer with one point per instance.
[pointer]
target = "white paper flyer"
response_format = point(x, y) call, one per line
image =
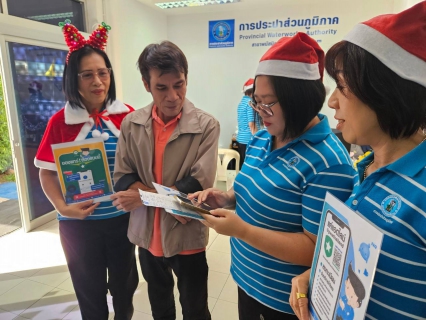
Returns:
point(344, 264)
point(164, 198)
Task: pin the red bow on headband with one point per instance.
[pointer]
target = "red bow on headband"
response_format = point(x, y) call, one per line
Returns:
point(76, 41)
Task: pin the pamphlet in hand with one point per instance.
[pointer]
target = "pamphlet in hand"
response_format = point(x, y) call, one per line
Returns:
point(83, 170)
point(165, 198)
point(344, 264)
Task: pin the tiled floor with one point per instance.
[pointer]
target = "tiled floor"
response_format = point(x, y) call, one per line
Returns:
point(35, 283)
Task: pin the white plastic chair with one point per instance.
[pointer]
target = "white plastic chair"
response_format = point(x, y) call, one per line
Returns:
point(225, 156)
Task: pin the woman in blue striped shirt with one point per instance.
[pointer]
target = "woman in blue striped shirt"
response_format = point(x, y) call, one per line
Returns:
point(246, 116)
point(94, 236)
point(380, 101)
point(280, 190)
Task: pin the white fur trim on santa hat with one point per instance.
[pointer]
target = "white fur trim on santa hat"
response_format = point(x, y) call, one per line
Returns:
point(250, 86)
point(400, 61)
point(79, 115)
point(289, 69)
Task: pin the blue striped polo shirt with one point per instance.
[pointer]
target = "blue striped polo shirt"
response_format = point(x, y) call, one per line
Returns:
point(393, 200)
point(284, 190)
point(105, 210)
point(245, 114)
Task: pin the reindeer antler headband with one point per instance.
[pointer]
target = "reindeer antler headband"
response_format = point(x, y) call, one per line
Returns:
point(76, 41)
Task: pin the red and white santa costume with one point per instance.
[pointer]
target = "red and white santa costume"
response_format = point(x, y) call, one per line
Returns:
point(74, 124)
point(98, 253)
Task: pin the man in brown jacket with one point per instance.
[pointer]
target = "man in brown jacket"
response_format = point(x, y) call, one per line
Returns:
point(175, 144)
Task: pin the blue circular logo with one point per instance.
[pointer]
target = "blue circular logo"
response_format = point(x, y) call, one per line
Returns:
point(293, 161)
point(391, 205)
point(221, 31)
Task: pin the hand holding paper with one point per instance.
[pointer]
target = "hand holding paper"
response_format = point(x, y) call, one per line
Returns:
point(226, 222)
point(300, 284)
point(167, 202)
point(126, 200)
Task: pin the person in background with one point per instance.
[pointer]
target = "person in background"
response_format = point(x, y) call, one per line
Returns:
point(380, 101)
point(99, 255)
point(247, 126)
point(172, 143)
point(279, 191)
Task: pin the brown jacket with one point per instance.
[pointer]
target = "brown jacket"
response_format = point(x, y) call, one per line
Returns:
point(189, 162)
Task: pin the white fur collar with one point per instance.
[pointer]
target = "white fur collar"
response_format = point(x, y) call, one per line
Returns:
point(79, 115)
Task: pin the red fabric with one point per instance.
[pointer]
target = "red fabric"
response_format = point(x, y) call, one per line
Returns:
point(405, 28)
point(299, 48)
point(57, 131)
point(162, 133)
point(97, 116)
point(75, 40)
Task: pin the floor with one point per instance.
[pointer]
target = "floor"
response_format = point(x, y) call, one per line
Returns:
point(10, 218)
point(35, 282)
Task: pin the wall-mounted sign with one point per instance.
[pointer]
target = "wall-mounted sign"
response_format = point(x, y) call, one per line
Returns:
point(221, 33)
point(264, 33)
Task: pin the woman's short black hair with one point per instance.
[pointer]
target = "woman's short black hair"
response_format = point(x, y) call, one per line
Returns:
point(400, 104)
point(70, 77)
point(300, 101)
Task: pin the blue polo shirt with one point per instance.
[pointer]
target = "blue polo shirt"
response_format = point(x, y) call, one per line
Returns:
point(284, 190)
point(394, 200)
point(245, 115)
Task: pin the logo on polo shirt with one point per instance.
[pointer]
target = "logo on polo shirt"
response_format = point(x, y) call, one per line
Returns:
point(293, 161)
point(391, 205)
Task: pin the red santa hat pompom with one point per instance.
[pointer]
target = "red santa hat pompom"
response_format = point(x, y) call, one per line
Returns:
point(298, 57)
point(397, 40)
point(248, 85)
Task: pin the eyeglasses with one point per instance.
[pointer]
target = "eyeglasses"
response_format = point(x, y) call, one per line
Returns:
point(103, 74)
point(266, 108)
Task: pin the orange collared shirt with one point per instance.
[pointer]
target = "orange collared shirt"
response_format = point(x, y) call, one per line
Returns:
point(162, 133)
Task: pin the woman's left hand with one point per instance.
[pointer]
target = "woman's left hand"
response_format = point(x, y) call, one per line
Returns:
point(225, 222)
point(300, 285)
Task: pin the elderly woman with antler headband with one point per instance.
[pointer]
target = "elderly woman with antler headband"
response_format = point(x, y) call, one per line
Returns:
point(93, 236)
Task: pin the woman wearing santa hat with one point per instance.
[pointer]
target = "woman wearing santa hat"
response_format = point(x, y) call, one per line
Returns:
point(93, 236)
point(279, 192)
point(380, 100)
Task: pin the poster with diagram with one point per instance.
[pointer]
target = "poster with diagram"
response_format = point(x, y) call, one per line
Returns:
point(345, 260)
point(83, 170)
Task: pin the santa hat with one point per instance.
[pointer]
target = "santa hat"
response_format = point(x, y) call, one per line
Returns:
point(298, 57)
point(397, 40)
point(248, 85)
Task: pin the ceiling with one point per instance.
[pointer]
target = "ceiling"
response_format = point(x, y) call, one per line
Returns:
point(242, 5)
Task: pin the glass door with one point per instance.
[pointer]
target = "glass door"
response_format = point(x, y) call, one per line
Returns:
point(35, 94)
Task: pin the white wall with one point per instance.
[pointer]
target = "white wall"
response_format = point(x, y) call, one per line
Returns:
point(400, 5)
point(216, 76)
point(133, 27)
